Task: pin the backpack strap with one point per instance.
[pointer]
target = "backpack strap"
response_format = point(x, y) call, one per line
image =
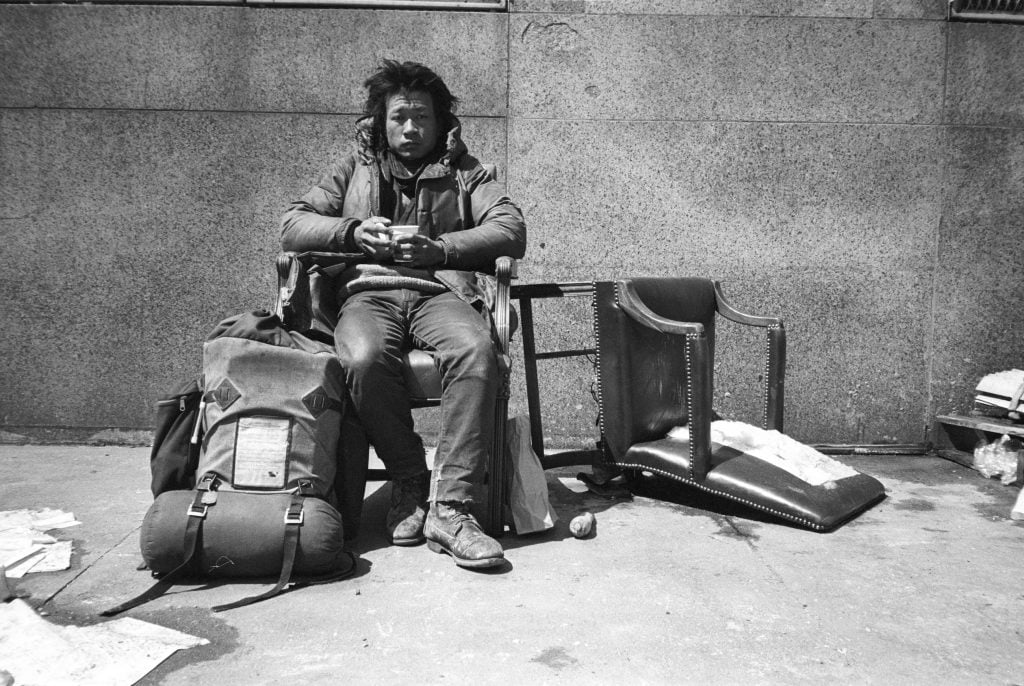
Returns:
point(292, 523)
point(206, 495)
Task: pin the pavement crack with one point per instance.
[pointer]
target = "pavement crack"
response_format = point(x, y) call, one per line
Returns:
point(730, 529)
point(87, 567)
point(740, 533)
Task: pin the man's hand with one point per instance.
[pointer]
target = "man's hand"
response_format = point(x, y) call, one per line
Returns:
point(374, 238)
point(417, 251)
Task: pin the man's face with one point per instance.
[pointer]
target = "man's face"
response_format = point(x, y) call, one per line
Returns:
point(411, 125)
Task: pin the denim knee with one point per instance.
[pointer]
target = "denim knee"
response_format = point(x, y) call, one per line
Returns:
point(358, 357)
point(476, 359)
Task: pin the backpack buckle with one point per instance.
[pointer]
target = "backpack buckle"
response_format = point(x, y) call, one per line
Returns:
point(294, 514)
point(201, 504)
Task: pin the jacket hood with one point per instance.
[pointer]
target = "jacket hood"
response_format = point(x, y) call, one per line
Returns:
point(454, 147)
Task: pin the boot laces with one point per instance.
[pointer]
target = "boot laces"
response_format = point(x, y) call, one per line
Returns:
point(458, 514)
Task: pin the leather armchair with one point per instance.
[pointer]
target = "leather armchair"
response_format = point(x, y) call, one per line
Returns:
point(656, 340)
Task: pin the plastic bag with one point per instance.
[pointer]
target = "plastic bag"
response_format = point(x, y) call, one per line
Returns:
point(998, 458)
point(531, 509)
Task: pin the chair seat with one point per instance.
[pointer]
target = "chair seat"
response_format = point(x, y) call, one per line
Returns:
point(422, 378)
point(761, 485)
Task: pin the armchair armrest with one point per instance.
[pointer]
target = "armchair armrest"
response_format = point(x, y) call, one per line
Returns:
point(630, 302)
point(300, 291)
point(775, 358)
point(504, 272)
point(726, 309)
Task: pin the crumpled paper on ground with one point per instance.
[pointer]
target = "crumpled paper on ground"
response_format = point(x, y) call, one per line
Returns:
point(38, 653)
point(802, 461)
point(24, 545)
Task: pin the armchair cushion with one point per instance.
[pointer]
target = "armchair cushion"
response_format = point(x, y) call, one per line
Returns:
point(762, 486)
point(422, 379)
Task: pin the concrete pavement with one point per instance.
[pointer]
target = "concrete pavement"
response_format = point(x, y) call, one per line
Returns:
point(925, 588)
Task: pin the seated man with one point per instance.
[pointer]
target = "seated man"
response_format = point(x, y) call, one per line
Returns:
point(410, 169)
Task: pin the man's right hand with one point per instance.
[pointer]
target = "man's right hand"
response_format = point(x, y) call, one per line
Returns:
point(374, 238)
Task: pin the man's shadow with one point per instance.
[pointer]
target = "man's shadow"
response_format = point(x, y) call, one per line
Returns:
point(370, 535)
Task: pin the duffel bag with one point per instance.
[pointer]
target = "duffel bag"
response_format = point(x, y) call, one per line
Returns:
point(243, 534)
point(211, 533)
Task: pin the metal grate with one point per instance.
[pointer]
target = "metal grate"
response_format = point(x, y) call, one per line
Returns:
point(996, 11)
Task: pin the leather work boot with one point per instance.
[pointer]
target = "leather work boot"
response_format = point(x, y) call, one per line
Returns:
point(451, 529)
point(408, 509)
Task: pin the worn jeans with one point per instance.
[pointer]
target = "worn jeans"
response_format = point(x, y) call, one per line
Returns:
point(373, 329)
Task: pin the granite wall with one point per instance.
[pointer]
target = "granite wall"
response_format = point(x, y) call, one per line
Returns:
point(853, 166)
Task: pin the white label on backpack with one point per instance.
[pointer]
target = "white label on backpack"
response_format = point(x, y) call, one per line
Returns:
point(261, 452)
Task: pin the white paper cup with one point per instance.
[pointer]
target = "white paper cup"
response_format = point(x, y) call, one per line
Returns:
point(402, 253)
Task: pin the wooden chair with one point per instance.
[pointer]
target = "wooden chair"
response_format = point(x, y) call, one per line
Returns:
point(306, 303)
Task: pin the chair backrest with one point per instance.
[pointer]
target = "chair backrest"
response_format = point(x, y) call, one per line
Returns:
point(306, 300)
point(643, 374)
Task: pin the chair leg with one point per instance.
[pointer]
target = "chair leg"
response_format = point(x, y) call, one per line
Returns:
point(775, 378)
point(499, 472)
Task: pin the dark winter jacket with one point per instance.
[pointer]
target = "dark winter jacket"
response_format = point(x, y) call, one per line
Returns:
point(458, 203)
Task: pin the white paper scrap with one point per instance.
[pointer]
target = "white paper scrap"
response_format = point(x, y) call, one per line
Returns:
point(24, 545)
point(113, 653)
point(21, 536)
point(57, 558)
point(19, 563)
point(802, 461)
point(46, 519)
point(37, 520)
point(10, 546)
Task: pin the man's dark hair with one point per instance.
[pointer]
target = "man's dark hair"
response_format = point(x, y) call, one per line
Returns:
point(404, 77)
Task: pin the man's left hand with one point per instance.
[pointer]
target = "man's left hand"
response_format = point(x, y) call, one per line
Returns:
point(418, 251)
